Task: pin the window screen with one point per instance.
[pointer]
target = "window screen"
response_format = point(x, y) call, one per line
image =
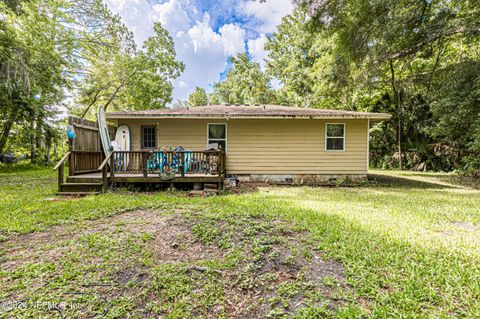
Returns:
point(217, 133)
point(149, 137)
point(335, 137)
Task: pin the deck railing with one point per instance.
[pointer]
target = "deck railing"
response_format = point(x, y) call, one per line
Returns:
point(81, 162)
point(167, 162)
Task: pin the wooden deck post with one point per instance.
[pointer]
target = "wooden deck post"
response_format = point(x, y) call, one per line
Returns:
point(60, 177)
point(71, 165)
point(222, 163)
point(183, 164)
point(104, 179)
point(144, 164)
point(112, 167)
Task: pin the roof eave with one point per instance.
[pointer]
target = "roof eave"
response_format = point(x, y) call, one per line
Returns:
point(375, 117)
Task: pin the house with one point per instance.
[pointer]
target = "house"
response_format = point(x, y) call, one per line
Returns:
point(262, 142)
point(277, 144)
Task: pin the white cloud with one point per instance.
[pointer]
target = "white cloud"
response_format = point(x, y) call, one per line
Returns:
point(233, 38)
point(256, 48)
point(172, 16)
point(137, 16)
point(204, 53)
point(230, 37)
point(203, 50)
point(203, 37)
point(267, 15)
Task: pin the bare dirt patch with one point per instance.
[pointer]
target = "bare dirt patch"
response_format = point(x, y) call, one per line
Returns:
point(146, 263)
point(50, 245)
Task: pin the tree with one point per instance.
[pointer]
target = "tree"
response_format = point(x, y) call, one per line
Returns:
point(245, 83)
point(33, 63)
point(134, 80)
point(289, 59)
point(339, 54)
point(408, 53)
point(198, 97)
point(456, 115)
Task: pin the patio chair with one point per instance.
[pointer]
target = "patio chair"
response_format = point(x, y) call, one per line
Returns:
point(156, 161)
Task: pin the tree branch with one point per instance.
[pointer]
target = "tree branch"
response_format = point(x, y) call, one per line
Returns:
point(434, 37)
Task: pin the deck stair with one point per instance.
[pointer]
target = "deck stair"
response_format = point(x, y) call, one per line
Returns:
point(211, 188)
point(78, 187)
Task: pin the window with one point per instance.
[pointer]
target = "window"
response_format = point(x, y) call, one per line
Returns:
point(217, 133)
point(335, 137)
point(149, 137)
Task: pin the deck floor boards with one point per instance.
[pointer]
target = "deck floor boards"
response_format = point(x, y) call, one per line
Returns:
point(150, 178)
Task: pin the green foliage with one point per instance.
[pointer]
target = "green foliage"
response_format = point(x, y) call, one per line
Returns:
point(388, 56)
point(155, 69)
point(289, 59)
point(246, 83)
point(49, 49)
point(198, 97)
point(455, 107)
point(133, 80)
point(34, 58)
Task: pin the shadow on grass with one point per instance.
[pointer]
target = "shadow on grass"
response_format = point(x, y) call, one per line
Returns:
point(407, 181)
point(380, 268)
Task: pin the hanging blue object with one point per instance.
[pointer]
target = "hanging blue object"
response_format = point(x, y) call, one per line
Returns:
point(71, 132)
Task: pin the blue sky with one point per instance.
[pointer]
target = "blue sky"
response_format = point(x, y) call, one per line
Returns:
point(205, 32)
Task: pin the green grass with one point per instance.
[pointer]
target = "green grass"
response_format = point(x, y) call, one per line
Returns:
point(29, 203)
point(409, 246)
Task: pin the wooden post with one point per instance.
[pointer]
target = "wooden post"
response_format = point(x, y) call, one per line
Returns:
point(112, 167)
point(104, 179)
point(220, 163)
point(224, 163)
point(60, 177)
point(144, 164)
point(71, 164)
point(183, 164)
point(207, 162)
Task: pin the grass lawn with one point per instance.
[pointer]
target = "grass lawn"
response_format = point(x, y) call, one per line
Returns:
point(404, 246)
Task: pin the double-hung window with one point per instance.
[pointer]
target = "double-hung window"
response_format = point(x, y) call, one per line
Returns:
point(149, 137)
point(335, 137)
point(217, 133)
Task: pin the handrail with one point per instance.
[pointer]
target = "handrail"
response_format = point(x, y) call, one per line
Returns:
point(86, 152)
point(167, 151)
point(61, 161)
point(105, 161)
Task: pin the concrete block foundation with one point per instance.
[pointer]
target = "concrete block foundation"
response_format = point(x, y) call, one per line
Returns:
point(303, 179)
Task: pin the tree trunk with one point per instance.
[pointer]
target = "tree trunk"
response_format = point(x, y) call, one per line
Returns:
point(38, 132)
point(5, 133)
point(33, 145)
point(7, 127)
point(396, 93)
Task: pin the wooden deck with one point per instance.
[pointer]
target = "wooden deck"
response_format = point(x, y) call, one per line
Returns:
point(150, 178)
point(92, 172)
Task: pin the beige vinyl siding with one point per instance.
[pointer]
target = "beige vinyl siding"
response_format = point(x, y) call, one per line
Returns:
point(135, 133)
point(257, 146)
